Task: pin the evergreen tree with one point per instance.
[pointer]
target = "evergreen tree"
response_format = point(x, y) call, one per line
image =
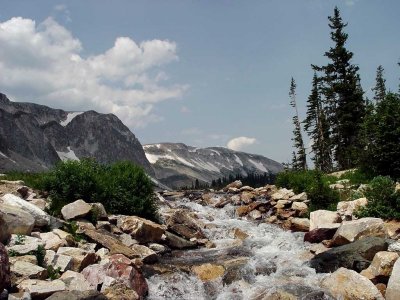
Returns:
point(300, 160)
point(380, 88)
point(317, 128)
point(343, 96)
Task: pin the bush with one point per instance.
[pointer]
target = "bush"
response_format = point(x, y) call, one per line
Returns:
point(357, 177)
point(383, 200)
point(123, 188)
point(314, 183)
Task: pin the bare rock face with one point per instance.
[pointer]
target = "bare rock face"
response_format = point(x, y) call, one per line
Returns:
point(4, 268)
point(349, 285)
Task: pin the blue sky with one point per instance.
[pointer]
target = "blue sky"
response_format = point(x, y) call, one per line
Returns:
point(198, 72)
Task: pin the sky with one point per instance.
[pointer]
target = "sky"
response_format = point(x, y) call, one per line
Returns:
point(205, 73)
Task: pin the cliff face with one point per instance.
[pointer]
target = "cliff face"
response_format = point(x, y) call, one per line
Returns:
point(178, 165)
point(34, 137)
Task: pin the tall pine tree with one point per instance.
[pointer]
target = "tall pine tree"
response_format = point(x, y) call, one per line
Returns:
point(299, 161)
point(317, 128)
point(380, 88)
point(343, 96)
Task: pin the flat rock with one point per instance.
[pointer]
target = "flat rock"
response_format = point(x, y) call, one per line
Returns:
point(349, 285)
point(77, 209)
point(18, 220)
point(40, 289)
point(28, 270)
point(79, 295)
point(324, 219)
point(208, 271)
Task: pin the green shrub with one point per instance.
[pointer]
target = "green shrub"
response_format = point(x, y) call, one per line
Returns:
point(123, 188)
point(383, 200)
point(357, 177)
point(314, 183)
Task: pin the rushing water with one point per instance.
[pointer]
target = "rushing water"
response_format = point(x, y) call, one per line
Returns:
point(269, 259)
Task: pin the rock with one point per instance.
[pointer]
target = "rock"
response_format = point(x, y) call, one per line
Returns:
point(393, 286)
point(349, 285)
point(357, 255)
point(300, 224)
point(119, 291)
point(119, 268)
point(146, 254)
point(239, 234)
point(77, 209)
point(176, 242)
point(80, 257)
point(127, 239)
point(41, 218)
point(336, 186)
point(75, 281)
point(103, 253)
point(319, 234)
point(247, 197)
point(52, 241)
point(282, 203)
point(78, 295)
point(300, 197)
point(242, 210)
point(300, 207)
point(5, 234)
point(40, 289)
point(25, 246)
point(284, 214)
point(64, 262)
point(246, 188)
point(110, 242)
point(324, 219)
point(394, 247)
point(4, 268)
point(255, 215)
point(141, 229)
point(282, 194)
point(64, 236)
point(381, 288)
point(39, 203)
point(235, 199)
point(351, 231)
point(98, 212)
point(381, 266)
point(348, 208)
point(23, 191)
point(19, 296)
point(236, 184)
point(208, 271)
point(318, 248)
point(393, 229)
point(25, 269)
point(159, 249)
point(18, 220)
point(184, 225)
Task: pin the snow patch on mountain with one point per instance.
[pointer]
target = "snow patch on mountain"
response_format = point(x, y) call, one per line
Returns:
point(70, 117)
point(69, 155)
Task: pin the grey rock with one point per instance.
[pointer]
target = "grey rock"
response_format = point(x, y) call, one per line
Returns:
point(77, 295)
point(18, 220)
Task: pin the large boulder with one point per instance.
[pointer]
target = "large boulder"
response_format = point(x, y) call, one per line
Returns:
point(40, 289)
point(80, 257)
point(348, 208)
point(393, 286)
point(184, 225)
point(119, 269)
point(18, 220)
point(208, 271)
point(349, 285)
point(381, 266)
point(357, 255)
point(64, 262)
point(318, 235)
point(75, 281)
point(5, 234)
point(140, 229)
point(324, 219)
point(4, 268)
point(351, 231)
point(21, 268)
point(24, 245)
point(77, 209)
point(176, 242)
point(41, 218)
point(300, 224)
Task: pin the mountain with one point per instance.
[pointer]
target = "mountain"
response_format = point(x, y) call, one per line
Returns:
point(35, 137)
point(178, 165)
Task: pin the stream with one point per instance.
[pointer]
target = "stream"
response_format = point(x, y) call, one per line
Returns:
point(268, 260)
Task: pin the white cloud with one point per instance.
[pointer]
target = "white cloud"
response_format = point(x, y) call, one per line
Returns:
point(42, 63)
point(241, 142)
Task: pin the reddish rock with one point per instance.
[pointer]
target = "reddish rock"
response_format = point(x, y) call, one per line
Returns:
point(319, 234)
point(4, 268)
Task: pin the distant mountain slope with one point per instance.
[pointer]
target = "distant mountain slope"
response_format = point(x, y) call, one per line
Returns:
point(178, 165)
point(34, 137)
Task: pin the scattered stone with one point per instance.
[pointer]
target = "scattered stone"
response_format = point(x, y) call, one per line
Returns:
point(239, 234)
point(146, 254)
point(176, 242)
point(319, 234)
point(25, 246)
point(282, 194)
point(348, 285)
point(75, 281)
point(159, 249)
point(324, 219)
point(255, 214)
point(208, 271)
point(40, 289)
point(80, 257)
point(64, 236)
point(247, 197)
point(236, 185)
point(348, 208)
point(393, 286)
point(64, 262)
point(103, 254)
point(351, 231)
point(299, 224)
point(18, 220)
point(119, 291)
point(381, 266)
point(77, 209)
point(300, 197)
point(25, 269)
point(141, 229)
point(282, 204)
point(52, 241)
point(127, 239)
point(184, 225)
point(79, 295)
point(300, 207)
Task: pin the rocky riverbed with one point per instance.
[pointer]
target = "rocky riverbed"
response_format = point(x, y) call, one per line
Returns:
point(237, 243)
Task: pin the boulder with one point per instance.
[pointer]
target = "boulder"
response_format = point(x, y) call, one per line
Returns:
point(324, 219)
point(98, 211)
point(208, 271)
point(300, 224)
point(4, 268)
point(5, 234)
point(176, 242)
point(52, 241)
point(25, 269)
point(393, 228)
point(300, 197)
point(282, 204)
point(78, 295)
point(145, 254)
point(349, 285)
point(319, 234)
point(394, 247)
point(18, 220)
point(348, 208)
point(77, 209)
point(255, 214)
point(40, 217)
point(24, 245)
point(381, 266)
point(300, 207)
point(119, 269)
point(64, 262)
point(356, 256)
point(141, 229)
point(119, 291)
point(247, 197)
point(282, 194)
point(75, 281)
point(393, 286)
point(351, 231)
point(184, 225)
point(109, 241)
point(235, 185)
point(39, 203)
point(40, 289)
point(80, 258)
point(239, 234)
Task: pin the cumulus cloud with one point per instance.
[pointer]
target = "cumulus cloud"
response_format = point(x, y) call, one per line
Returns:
point(239, 143)
point(43, 63)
